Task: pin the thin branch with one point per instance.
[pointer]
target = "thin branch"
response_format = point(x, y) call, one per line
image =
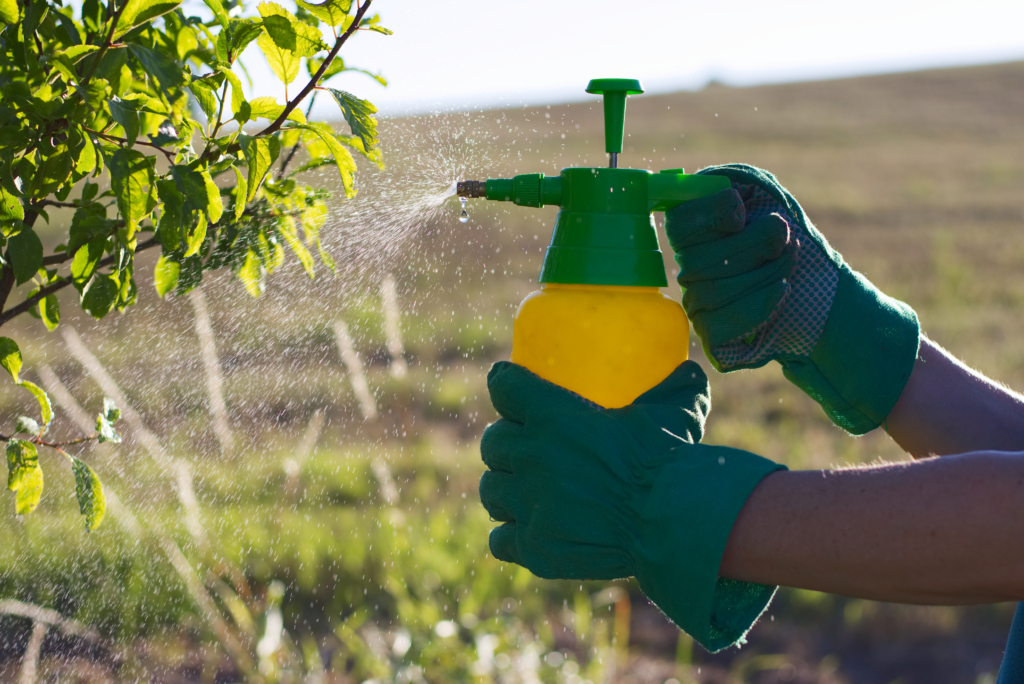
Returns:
point(56, 287)
point(292, 104)
point(113, 138)
point(54, 203)
point(295, 148)
point(106, 44)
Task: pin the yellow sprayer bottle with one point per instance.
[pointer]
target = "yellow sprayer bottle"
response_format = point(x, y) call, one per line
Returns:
point(599, 325)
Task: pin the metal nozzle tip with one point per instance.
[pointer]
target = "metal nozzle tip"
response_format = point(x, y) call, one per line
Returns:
point(471, 188)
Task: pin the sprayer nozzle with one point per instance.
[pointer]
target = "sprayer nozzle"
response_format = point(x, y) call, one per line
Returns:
point(471, 188)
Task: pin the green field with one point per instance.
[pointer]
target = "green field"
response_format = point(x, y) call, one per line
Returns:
point(371, 530)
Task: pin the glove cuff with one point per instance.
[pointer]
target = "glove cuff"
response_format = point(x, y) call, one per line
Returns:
point(686, 523)
point(864, 357)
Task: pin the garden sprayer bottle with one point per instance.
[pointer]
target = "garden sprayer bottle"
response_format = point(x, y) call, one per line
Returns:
point(599, 326)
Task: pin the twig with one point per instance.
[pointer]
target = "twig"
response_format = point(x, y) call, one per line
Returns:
point(106, 44)
point(55, 287)
point(214, 379)
point(292, 104)
point(295, 148)
point(356, 371)
point(54, 203)
point(114, 138)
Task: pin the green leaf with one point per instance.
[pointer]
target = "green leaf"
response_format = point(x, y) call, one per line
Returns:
point(251, 274)
point(286, 226)
point(45, 409)
point(10, 357)
point(49, 311)
point(240, 193)
point(9, 12)
point(159, 67)
point(132, 179)
point(381, 29)
point(260, 154)
point(236, 36)
point(87, 157)
point(312, 230)
point(100, 295)
point(86, 259)
point(53, 171)
point(346, 164)
point(27, 425)
point(194, 240)
point(125, 114)
point(110, 410)
point(332, 12)
point(138, 12)
point(268, 108)
point(26, 252)
point(219, 13)
point(359, 115)
point(89, 490)
point(199, 190)
point(239, 106)
point(205, 96)
point(284, 63)
point(24, 476)
point(11, 208)
point(355, 143)
point(76, 52)
point(165, 276)
point(288, 33)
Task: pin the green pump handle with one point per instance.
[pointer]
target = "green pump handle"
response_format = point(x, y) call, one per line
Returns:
point(615, 91)
point(604, 233)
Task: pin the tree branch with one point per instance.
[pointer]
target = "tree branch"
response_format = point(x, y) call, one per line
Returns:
point(295, 148)
point(292, 104)
point(56, 287)
point(106, 44)
point(167, 153)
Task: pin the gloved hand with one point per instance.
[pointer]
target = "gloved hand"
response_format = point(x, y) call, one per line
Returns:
point(762, 283)
point(593, 493)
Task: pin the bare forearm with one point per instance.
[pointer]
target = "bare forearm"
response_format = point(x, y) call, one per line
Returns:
point(937, 531)
point(947, 408)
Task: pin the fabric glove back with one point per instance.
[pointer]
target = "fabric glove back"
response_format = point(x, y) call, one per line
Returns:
point(761, 283)
point(592, 493)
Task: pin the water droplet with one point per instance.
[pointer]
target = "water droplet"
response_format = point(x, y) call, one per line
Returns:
point(464, 216)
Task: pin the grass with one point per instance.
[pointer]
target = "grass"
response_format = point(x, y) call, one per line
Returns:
point(916, 179)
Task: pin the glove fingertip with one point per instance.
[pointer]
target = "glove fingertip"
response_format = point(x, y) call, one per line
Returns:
point(502, 542)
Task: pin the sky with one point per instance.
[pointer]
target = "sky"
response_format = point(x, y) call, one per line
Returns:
point(457, 54)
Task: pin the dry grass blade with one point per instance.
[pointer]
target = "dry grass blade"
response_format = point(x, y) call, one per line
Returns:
point(214, 377)
point(356, 371)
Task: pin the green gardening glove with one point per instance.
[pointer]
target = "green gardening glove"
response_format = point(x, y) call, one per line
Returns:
point(592, 493)
point(762, 283)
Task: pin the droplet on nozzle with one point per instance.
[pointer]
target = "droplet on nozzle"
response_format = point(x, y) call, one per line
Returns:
point(464, 216)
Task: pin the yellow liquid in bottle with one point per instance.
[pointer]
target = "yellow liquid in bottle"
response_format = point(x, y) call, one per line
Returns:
point(607, 343)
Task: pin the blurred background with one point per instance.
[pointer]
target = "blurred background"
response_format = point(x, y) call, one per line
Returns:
point(295, 499)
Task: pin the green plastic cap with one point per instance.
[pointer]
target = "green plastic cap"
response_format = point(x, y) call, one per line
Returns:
point(615, 91)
